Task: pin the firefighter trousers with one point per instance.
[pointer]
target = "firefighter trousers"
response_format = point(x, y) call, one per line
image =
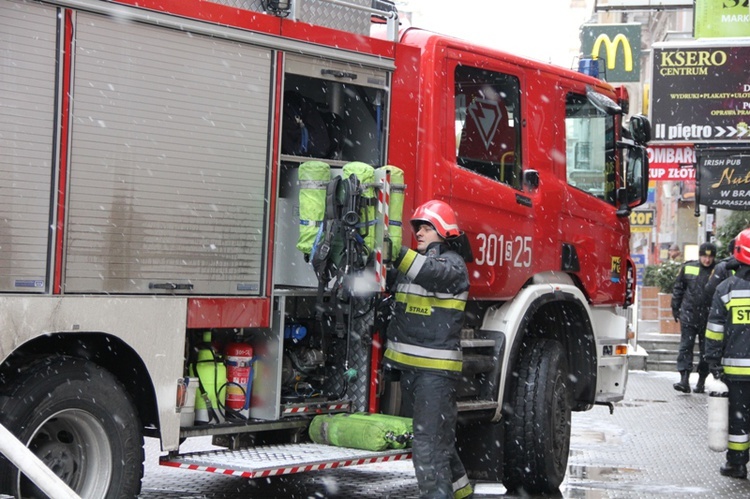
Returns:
point(430, 400)
point(739, 422)
point(688, 336)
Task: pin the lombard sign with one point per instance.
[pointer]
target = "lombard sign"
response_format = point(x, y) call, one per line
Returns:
point(724, 178)
point(671, 162)
point(700, 93)
point(618, 45)
point(721, 18)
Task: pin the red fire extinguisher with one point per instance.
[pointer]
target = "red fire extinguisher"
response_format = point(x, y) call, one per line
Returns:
point(239, 360)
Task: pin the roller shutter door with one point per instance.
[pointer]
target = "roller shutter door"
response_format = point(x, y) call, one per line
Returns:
point(28, 43)
point(169, 161)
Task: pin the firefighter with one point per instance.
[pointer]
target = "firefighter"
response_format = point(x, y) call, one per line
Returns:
point(424, 346)
point(728, 354)
point(689, 309)
point(722, 271)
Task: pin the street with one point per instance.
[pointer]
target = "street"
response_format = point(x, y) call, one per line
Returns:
point(654, 445)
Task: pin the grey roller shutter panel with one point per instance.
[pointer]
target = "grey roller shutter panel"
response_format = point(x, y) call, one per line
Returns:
point(28, 43)
point(169, 160)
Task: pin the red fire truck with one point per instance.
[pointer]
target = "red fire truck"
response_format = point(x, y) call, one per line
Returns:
point(149, 211)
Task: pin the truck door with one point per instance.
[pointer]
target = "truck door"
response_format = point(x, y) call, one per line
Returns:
point(486, 181)
point(588, 223)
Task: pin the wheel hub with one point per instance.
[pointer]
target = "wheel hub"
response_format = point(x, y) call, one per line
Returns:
point(56, 455)
point(74, 445)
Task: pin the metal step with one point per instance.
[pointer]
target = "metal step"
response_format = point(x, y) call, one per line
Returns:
point(275, 460)
point(474, 364)
point(476, 405)
point(477, 343)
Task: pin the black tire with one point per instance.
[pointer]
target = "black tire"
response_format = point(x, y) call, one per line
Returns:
point(78, 419)
point(537, 434)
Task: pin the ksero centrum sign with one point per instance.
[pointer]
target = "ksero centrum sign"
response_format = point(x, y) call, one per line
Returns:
point(701, 93)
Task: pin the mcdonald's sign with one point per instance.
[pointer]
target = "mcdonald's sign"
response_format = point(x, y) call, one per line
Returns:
point(618, 45)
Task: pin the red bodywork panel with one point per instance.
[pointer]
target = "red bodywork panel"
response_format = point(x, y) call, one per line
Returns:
point(206, 313)
point(515, 233)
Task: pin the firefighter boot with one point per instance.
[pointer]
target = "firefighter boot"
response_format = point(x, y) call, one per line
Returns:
point(701, 386)
point(734, 470)
point(683, 385)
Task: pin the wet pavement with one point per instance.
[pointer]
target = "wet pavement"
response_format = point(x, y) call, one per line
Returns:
point(654, 445)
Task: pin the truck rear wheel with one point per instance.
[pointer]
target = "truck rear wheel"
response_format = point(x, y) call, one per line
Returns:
point(537, 435)
point(77, 418)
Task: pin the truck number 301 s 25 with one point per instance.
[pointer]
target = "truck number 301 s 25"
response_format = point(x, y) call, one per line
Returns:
point(497, 250)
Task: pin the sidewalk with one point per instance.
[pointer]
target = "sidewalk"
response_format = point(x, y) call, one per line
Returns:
point(654, 445)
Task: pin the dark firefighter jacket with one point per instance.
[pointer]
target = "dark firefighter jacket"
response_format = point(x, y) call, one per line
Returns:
point(431, 292)
point(728, 328)
point(688, 293)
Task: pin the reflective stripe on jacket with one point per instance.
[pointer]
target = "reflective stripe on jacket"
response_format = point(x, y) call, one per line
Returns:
point(431, 292)
point(728, 327)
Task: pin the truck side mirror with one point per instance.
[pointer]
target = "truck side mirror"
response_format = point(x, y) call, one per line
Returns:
point(531, 178)
point(622, 200)
point(635, 191)
point(640, 129)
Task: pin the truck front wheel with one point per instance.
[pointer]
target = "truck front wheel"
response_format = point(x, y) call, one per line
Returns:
point(537, 434)
point(77, 418)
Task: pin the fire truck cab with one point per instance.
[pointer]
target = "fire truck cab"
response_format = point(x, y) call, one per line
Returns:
point(150, 195)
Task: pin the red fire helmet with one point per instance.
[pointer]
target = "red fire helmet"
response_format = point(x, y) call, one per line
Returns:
point(742, 247)
point(438, 214)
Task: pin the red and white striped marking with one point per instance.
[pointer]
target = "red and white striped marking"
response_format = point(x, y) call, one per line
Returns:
point(384, 203)
point(315, 408)
point(379, 270)
point(253, 468)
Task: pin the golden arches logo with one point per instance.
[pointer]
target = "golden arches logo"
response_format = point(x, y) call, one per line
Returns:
point(611, 47)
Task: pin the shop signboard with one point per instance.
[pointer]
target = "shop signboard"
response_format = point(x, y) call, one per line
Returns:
point(640, 266)
point(607, 5)
point(724, 178)
point(671, 162)
point(642, 220)
point(618, 46)
point(721, 18)
point(700, 93)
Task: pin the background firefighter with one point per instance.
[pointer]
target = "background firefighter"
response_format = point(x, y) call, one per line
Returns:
point(722, 271)
point(424, 335)
point(728, 354)
point(689, 309)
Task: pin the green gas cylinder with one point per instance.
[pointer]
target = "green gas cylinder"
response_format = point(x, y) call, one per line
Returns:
point(396, 208)
point(212, 373)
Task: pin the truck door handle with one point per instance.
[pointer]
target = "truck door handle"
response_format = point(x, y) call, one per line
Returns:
point(171, 286)
point(523, 200)
point(338, 74)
